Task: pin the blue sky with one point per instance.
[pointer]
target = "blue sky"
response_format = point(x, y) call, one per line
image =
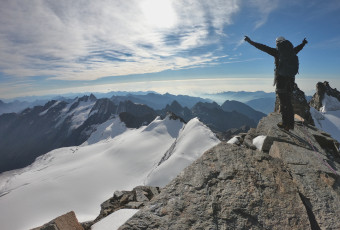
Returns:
point(180, 47)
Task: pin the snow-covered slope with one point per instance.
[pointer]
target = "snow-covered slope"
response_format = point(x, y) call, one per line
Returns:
point(328, 118)
point(193, 140)
point(114, 158)
point(114, 220)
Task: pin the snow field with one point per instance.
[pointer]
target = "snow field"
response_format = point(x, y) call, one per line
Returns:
point(328, 118)
point(114, 158)
point(114, 220)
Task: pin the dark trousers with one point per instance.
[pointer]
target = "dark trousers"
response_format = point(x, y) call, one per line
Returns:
point(284, 90)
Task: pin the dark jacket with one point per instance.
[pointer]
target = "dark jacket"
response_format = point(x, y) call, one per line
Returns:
point(274, 52)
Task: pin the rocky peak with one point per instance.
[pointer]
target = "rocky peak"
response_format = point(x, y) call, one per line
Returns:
point(92, 97)
point(178, 110)
point(135, 199)
point(292, 183)
point(321, 90)
point(176, 105)
point(300, 104)
point(173, 116)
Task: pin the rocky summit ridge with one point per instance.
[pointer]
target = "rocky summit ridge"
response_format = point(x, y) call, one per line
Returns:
point(293, 182)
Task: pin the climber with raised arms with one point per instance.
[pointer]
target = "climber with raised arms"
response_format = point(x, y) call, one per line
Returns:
point(286, 67)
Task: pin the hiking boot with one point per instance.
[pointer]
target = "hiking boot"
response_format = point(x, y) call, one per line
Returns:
point(281, 126)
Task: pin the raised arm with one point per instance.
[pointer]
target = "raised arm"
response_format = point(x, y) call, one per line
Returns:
point(269, 50)
point(298, 48)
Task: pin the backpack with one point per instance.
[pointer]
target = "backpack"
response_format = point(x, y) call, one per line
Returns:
point(288, 64)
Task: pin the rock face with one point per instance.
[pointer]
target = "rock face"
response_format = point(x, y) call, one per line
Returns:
point(321, 90)
point(300, 105)
point(293, 183)
point(135, 115)
point(64, 222)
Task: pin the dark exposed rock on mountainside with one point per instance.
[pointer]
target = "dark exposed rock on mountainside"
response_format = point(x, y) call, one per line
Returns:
point(321, 90)
point(101, 111)
point(240, 107)
point(27, 135)
point(293, 183)
point(37, 130)
point(300, 105)
point(218, 120)
point(135, 115)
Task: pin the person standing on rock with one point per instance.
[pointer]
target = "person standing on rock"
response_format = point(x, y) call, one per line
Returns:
point(286, 67)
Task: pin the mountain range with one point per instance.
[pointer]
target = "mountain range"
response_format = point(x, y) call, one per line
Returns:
point(61, 123)
point(152, 99)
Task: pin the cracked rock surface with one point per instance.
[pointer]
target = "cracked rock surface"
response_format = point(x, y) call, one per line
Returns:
point(293, 184)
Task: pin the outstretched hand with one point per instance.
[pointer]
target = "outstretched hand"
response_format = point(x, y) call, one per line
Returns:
point(247, 39)
point(304, 41)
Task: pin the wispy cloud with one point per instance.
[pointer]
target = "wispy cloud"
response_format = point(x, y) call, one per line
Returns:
point(82, 40)
point(264, 7)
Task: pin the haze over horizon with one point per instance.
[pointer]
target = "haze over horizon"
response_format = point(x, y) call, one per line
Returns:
point(180, 47)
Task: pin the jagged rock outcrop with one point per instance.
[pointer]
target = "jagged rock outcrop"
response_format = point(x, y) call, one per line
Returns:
point(67, 221)
point(293, 183)
point(300, 104)
point(135, 199)
point(321, 90)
